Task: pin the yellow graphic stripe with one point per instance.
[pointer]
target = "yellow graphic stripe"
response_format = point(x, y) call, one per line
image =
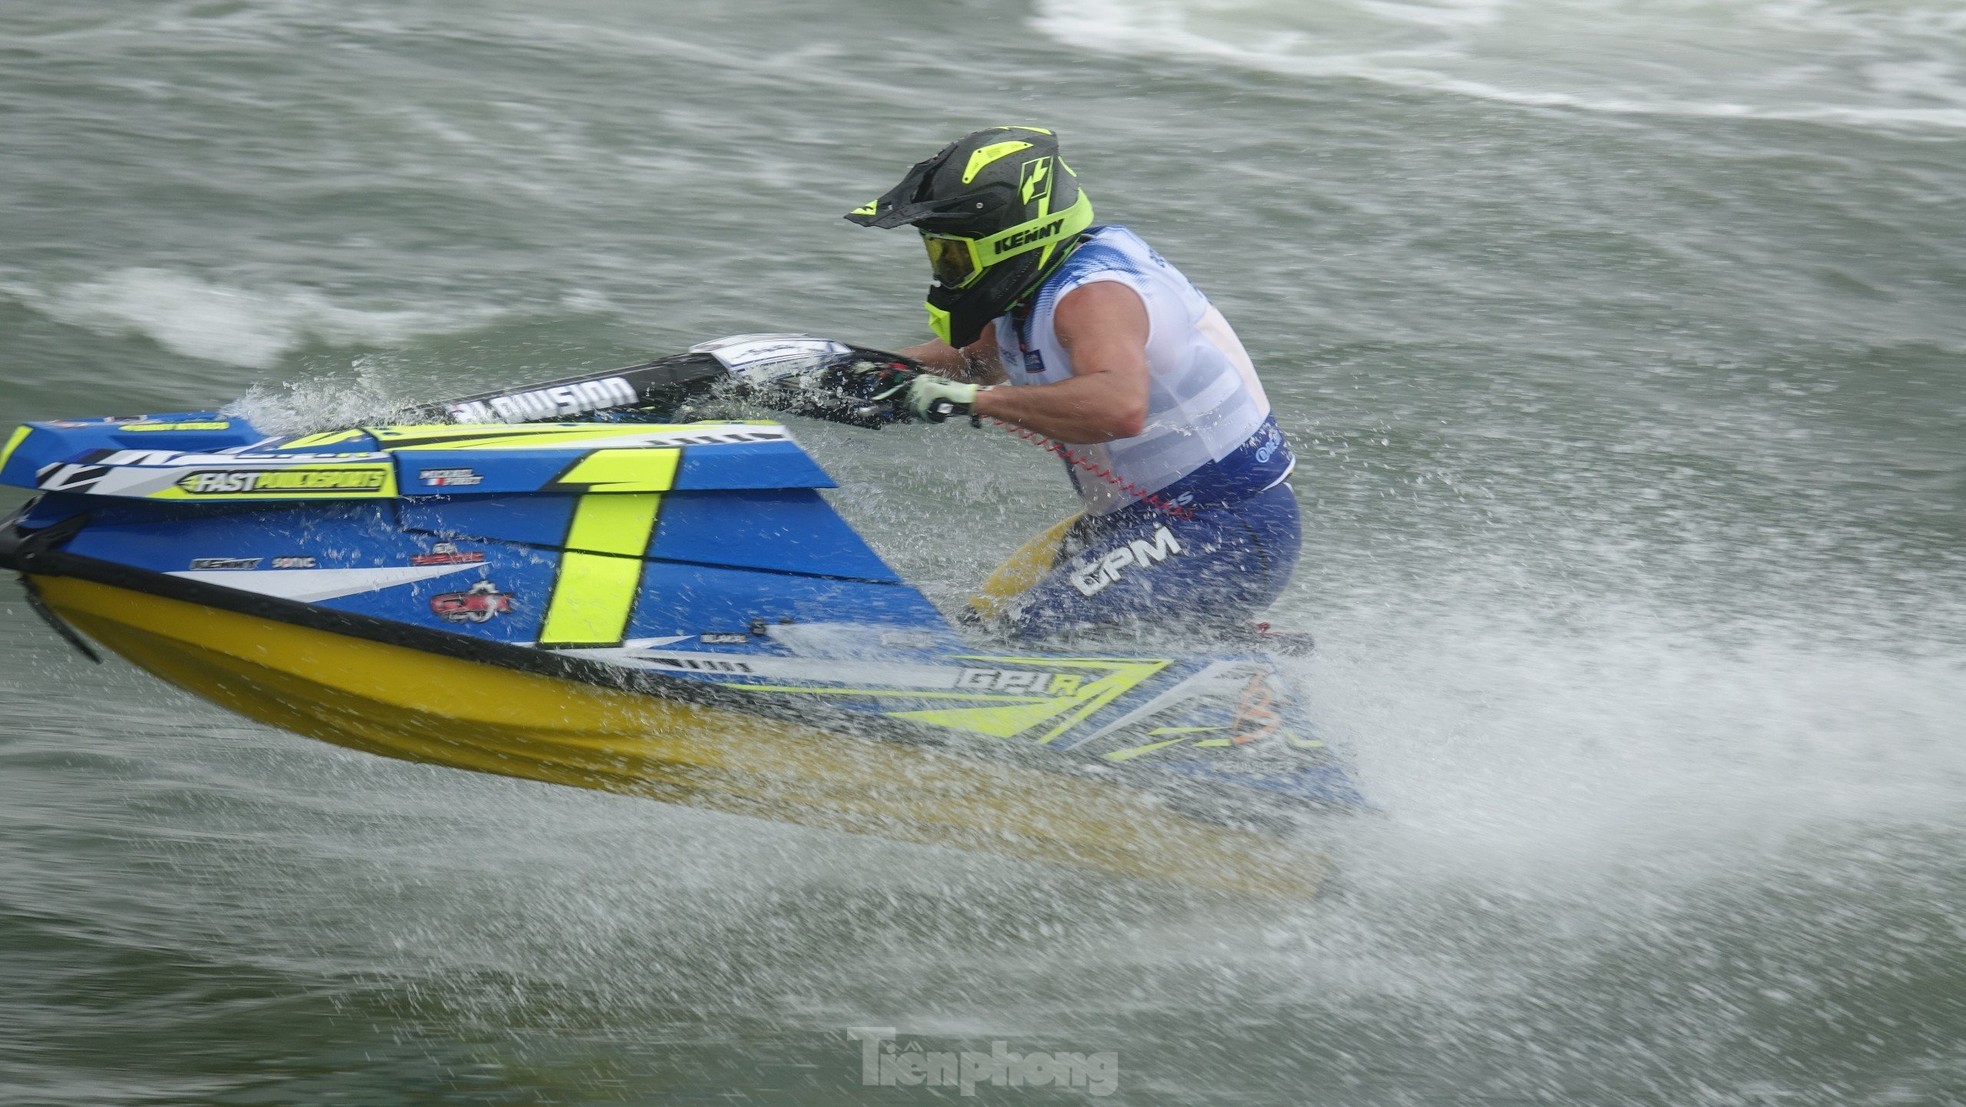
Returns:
point(443, 436)
point(1141, 751)
point(601, 572)
point(328, 438)
point(13, 443)
point(910, 693)
point(1009, 720)
point(1006, 715)
point(206, 426)
point(1104, 691)
point(981, 159)
point(635, 469)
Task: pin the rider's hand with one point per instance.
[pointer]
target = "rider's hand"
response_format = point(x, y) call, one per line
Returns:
point(935, 398)
point(925, 396)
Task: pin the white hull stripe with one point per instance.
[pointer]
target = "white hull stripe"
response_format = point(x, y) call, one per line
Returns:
point(314, 585)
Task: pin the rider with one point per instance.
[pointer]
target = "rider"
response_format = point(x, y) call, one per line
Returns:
point(1124, 366)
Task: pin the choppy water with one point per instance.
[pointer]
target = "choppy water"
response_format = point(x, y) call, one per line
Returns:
point(1622, 341)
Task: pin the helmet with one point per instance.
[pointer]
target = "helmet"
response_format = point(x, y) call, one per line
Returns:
point(998, 210)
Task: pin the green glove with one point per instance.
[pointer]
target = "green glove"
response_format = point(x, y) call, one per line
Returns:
point(936, 398)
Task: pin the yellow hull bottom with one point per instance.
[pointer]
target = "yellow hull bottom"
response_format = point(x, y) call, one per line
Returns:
point(404, 703)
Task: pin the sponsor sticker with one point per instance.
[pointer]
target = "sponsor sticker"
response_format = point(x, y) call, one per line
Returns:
point(1009, 243)
point(226, 562)
point(747, 353)
point(477, 604)
point(447, 553)
point(698, 663)
point(449, 478)
point(204, 426)
point(724, 638)
point(295, 563)
point(1094, 577)
point(547, 403)
point(297, 481)
point(1024, 681)
point(1256, 715)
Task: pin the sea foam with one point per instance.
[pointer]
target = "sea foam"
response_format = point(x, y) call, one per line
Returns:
point(1897, 66)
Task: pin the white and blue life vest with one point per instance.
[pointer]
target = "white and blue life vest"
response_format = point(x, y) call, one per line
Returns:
point(1209, 437)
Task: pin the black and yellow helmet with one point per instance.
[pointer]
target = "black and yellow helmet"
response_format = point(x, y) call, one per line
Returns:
point(998, 211)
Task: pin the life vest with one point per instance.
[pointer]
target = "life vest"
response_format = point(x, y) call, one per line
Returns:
point(1209, 436)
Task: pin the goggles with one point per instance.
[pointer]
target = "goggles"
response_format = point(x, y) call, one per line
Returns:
point(952, 259)
point(958, 262)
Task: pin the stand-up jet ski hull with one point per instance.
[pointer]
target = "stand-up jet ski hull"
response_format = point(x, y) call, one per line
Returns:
point(671, 611)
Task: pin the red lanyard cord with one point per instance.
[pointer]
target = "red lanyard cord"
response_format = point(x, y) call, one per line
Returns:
point(1086, 464)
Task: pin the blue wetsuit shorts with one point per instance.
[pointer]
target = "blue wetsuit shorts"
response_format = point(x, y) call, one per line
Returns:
point(1213, 566)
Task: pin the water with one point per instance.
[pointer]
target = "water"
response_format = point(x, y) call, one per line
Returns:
point(1622, 343)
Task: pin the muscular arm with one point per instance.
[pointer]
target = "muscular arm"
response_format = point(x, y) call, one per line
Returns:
point(976, 363)
point(1103, 326)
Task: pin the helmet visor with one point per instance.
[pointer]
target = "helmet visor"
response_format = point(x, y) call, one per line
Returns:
point(952, 259)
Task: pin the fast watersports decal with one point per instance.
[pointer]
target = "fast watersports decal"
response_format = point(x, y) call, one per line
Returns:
point(167, 475)
point(338, 480)
point(476, 604)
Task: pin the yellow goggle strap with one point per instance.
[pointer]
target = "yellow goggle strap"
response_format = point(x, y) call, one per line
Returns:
point(1036, 234)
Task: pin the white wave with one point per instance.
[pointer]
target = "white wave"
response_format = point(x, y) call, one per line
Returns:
point(250, 326)
point(370, 390)
point(1889, 65)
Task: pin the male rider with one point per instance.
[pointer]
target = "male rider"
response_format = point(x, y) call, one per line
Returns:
point(1136, 380)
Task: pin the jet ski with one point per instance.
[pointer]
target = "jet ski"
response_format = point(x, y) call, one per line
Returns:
point(589, 583)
